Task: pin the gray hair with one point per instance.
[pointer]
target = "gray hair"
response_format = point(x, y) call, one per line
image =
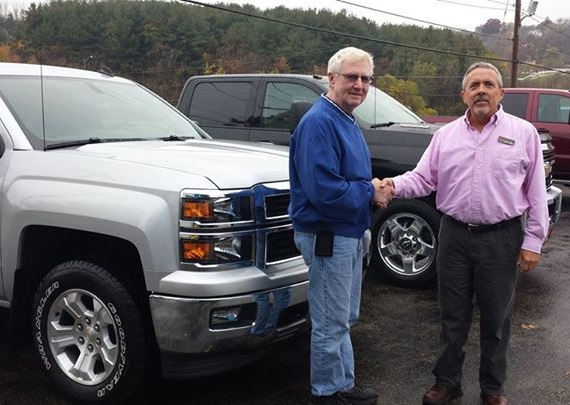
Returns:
point(352, 54)
point(482, 65)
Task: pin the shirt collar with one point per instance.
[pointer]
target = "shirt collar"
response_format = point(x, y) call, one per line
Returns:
point(349, 116)
point(495, 119)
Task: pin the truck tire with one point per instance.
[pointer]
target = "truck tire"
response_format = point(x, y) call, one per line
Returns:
point(404, 242)
point(88, 333)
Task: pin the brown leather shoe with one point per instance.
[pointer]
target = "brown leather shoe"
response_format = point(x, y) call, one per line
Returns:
point(438, 395)
point(494, 399)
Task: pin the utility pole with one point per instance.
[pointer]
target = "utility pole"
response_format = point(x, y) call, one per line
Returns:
point(515, 55)
point(518, 20)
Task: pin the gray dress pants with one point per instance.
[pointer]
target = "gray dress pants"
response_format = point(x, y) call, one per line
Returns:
point(476, 268)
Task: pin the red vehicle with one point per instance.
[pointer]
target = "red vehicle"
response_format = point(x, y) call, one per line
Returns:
point(549, 111)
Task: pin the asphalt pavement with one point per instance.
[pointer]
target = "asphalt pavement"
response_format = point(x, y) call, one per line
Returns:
point(395, 346)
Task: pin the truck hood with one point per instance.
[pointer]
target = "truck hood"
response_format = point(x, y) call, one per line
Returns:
point(227, 164)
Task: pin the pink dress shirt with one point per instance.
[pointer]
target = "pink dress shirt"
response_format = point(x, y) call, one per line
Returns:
point(484, 177)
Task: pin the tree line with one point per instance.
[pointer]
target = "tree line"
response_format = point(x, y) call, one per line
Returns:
point(161, 44)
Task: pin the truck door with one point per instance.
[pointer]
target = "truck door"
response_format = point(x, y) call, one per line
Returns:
point(273, 116)
point(553, 114)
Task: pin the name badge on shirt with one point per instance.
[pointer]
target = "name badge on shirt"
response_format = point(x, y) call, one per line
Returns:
point(506, 141)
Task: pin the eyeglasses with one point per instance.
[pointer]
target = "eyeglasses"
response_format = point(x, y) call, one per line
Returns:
point(352, 77)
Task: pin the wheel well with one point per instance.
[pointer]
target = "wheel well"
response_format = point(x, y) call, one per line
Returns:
point(43, 248)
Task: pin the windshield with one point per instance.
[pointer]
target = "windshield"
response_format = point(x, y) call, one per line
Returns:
point(80, 109)
point(380, 108)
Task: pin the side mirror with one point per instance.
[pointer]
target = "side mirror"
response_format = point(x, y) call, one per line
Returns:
point(298, 109)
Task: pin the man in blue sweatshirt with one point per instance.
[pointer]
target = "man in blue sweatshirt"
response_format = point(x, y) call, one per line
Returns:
point(332, 195)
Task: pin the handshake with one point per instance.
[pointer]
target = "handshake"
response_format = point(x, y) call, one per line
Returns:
point(383, 192)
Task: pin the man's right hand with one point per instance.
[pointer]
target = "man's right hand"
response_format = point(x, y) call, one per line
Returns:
point(384, 192)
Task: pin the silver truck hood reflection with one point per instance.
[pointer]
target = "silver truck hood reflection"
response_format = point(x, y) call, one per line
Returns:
point(222, 162)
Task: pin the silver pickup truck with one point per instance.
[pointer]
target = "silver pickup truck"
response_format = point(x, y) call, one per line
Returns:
point(133, 243)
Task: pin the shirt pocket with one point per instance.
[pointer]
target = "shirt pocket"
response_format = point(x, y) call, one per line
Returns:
point(506, 163)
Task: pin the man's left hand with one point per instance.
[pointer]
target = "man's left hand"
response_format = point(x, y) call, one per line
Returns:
point(527, 260)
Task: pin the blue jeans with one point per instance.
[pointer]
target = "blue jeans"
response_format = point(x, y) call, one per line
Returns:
point(334, 303)
point(269, 306)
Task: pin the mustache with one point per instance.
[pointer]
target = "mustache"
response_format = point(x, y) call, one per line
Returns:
point(481, 98)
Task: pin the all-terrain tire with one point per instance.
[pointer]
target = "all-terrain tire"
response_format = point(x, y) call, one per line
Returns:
point(89, 333)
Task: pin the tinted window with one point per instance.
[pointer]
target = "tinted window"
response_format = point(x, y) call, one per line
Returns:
point(379, 107)
point(515, 103)
point(277, 103)
point(220, 103)
point(553, 108)
point(565, 109)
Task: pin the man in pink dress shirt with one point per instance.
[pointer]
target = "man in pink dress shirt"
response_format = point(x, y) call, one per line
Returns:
point(488, 171)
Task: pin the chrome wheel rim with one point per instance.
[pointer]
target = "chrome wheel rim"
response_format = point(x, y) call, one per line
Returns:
point(406, 244)
point(83, 335)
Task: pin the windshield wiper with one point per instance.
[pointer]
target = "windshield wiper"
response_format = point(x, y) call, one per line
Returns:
point(174, 138)
point(70, 144)
point(81, 142)
point(383, 124)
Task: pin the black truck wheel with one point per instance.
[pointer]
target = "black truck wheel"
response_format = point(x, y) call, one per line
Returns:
point(88, 333)
point(404, 242)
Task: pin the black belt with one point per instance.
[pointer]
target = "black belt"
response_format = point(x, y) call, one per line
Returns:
point(481, 228)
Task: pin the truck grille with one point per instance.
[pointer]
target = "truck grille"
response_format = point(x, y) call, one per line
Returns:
point(547, 155)
point(548, 164)
point(246, 227)
point(276, 243)
point(280, 246)
point(276, 205)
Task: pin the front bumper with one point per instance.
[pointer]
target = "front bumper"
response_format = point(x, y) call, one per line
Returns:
point(203, 336)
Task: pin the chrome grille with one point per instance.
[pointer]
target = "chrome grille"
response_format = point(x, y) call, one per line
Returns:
point(280, 246)
point(248, 227)
point(547, 155)
point(276, 205)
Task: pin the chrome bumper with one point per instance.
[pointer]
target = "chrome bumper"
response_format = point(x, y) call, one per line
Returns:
point(225, 324)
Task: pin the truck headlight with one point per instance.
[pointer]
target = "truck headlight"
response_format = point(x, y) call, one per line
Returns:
point(212, 250)
point(212, 210)
point(201, 209)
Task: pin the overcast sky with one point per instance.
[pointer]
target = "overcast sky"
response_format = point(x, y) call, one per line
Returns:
point(464, 14)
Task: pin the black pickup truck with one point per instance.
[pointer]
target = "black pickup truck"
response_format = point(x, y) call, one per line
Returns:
point(258, 107)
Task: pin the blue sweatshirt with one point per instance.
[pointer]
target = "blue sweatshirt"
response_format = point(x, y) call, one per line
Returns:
point(330, 173)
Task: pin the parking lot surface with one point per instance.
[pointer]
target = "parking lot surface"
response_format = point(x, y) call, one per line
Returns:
point(395, 346)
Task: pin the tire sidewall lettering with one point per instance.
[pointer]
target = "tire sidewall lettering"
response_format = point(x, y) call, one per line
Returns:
point(114, 380)
point(38, 324)
point(44, 351)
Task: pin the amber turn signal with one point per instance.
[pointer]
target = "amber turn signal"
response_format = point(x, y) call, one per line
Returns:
point(197, 209)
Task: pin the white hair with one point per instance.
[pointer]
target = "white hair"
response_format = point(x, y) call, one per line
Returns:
point(349, 53)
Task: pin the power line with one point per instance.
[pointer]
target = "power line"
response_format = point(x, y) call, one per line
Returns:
point(543, 22)
point(503, 22)
point(381, 41)
point(502, 3)
point(471, 5)
point(544, 49)
point(418, 20)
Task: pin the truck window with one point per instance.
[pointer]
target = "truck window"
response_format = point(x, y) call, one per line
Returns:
point(553, 108)
point(277, 103)
point(220, 103)
point(515, 103)
point(379, 107)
